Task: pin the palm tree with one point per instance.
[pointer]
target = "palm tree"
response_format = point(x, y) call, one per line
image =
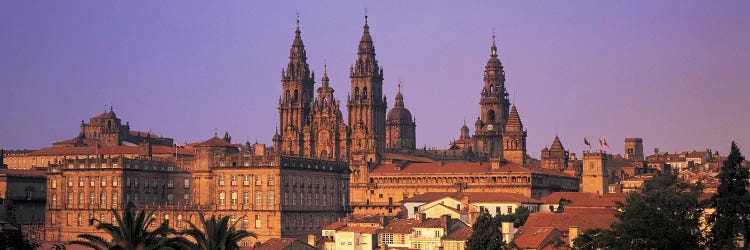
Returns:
point(131, 233)
point(217, 234)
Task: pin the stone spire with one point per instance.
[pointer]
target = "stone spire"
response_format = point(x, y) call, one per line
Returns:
point(297, 68)
point(514, 121)
point(325, 79)
point(366, 64)
point(556, 144)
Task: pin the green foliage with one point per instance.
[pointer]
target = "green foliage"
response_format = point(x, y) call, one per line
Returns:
point(732, 216)
point(131, 232)
point(14, 239)
point(217, 234)
point(486, 234)
point(666, 215)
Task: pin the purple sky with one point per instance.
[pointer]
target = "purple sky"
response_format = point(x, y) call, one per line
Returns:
point(672, 72)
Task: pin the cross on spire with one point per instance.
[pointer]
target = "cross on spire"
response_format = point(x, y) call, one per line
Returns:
point(297, 19)
point(494, 48)
point(365, 15)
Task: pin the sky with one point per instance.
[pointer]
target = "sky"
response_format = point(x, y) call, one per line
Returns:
point(674, 73)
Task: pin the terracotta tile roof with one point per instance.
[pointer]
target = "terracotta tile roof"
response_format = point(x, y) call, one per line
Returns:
point(214, 142)
point(33, 172)
point(585, 218)
point(335, 225)
point(473, 197)
point(400, 226)
point(460, 234)
point(281, 243)
point(406, 157)
point(535, 237)
point(431, 223)
point(359, 229)
point(697, 154)
point(92, 150)
point(375, 219)
point(463, 167)
point(581, 199)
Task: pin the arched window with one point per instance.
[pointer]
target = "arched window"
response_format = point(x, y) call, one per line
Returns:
point(286, 96)
point(491, 116)
point(364, 93)
point(356, 93)
point(296, 95)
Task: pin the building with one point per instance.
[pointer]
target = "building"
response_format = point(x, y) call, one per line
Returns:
point(466, 206)
point(22, 196)
point(284, 244)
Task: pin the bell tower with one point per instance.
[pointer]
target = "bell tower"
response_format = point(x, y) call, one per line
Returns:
point(514, 139)
point(366, 103)
point(494, 108)
point(297, 86)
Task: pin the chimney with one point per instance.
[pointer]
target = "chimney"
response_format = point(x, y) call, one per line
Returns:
point(573, 234)
point(422, 216)
point(446, 220)
point(495, 163)
point(311, 239)
point(508, 231)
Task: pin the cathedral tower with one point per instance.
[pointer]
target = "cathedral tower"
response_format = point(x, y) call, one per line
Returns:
point(555, 157)
point(400, 126)
point(326, 136)
point(634, 149)
point(494, 108)
point(297, 83)
point(594, 177)
point(366, 103)
point(514, 139)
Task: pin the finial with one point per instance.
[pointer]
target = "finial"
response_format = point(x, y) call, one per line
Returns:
point(365, 16)
point(399, 85)
point(493, 48)
point(325, 68)
point(297, 19)
point(105, 108)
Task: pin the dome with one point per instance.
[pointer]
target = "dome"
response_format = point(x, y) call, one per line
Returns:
point(464, 128)
point(399, 114)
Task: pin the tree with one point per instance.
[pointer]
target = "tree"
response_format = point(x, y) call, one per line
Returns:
point(217, 234)
point(731, 203)
point(15, 239)
point(131, 232)
point(666, 215)
point(486, 234)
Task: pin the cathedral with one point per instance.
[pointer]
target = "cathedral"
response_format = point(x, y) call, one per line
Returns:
point(380, 147)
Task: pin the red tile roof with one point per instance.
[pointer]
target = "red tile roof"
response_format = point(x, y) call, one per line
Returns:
point(400, 226)
point(92, 150)
point(214, 142)
point(581, 199)
point(460, 234)
point(359, 229)
point(283, 243)
point(335, 225)
point(585, 218)
point(463, 167)
point(535, 237)
point(473, 197)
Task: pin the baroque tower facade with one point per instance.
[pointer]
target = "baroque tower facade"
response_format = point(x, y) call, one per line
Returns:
point(400, 126)
point(494, 109)
point(297, 84)
point(326, 136)
point(366, 103)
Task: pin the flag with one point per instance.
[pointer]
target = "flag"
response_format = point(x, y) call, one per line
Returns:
point(586, 141)
point(605, 142)
point(601, 142)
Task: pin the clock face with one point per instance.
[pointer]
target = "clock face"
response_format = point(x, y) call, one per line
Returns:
point(490, 127)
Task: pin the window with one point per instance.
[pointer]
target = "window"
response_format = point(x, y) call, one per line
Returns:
point(221, 180)
point(186, 183)
point(387, 239)
point(309, 199)
point(54, 183)
point(113, 220)
point(127, 182)
point(114, 199)
point(186, 197)
point(258, 180)
point(170, 197)
point(246, 180)
point(246, 198)
point(170, 183)
point(103, 200)
point(324, 199)
point(54, 200)
point(257, 221)
point(234, 180)
point(258, 198)
point(271, 180)
point(437, 234)
point(221, 198)
point(418, 233)
point(70, 181)
point(92, 198)
point(510, 210)
point(136, 197)
point(179, 221)
point(80, 219)
point(92, 181)
point(81, 198)
point(245, 222)
point(271, 198)
point(114, 181)
point(101, 218)
point(294, 199)
point(234, 198)
point(70, 200)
